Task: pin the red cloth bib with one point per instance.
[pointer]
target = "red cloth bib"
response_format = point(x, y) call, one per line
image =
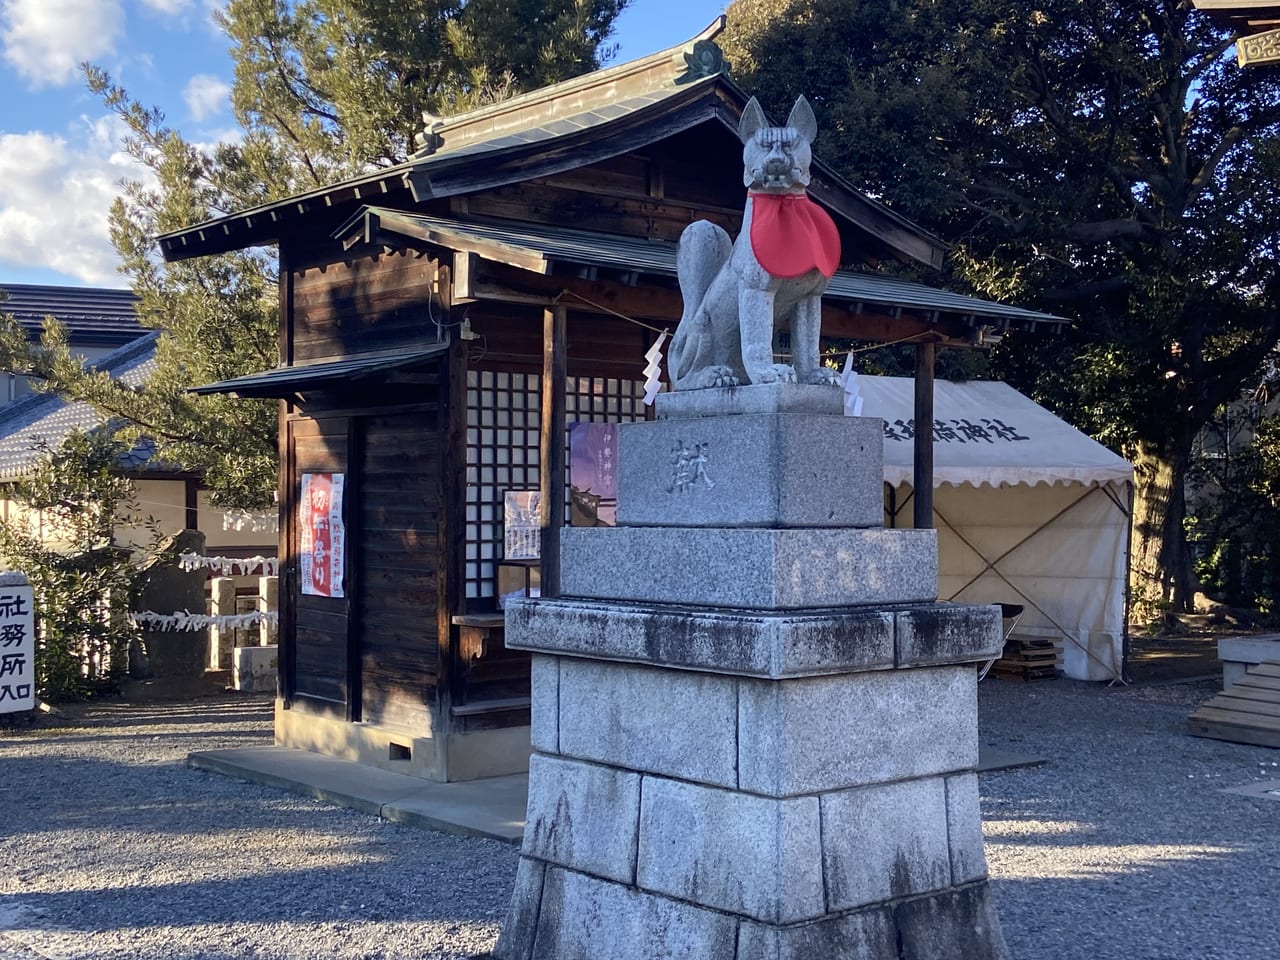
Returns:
point(791, 235)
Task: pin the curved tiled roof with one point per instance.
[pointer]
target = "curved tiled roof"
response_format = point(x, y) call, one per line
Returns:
point(90, 314)
point(45, 419)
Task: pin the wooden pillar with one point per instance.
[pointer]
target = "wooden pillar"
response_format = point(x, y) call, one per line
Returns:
point(191, 490)
point(552, 444)
point(922, 479)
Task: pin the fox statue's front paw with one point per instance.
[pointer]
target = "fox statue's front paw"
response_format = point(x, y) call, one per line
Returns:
point(823, 376)
point(710, 377)
point(773, 373)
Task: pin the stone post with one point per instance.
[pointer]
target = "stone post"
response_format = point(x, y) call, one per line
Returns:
point(222, 603)
point(754, 729)
point(268, 602)
point(170, 664)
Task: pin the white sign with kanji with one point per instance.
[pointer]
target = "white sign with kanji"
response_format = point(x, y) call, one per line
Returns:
point(17, 644)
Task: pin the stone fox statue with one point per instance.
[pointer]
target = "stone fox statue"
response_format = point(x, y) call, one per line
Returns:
point(735, 293)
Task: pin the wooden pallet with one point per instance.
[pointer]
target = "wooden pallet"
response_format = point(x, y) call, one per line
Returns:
point(1248, 711)
point(1028, 660)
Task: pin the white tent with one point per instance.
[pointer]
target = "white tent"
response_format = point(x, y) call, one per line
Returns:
point(1028, 510)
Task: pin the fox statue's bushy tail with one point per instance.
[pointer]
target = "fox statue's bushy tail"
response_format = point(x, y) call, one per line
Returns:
point(704, 251)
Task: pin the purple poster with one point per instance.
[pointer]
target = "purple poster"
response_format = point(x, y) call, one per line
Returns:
point(593, 474)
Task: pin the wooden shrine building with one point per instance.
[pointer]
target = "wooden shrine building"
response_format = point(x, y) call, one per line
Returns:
point(1256, 23)
point(444, 324)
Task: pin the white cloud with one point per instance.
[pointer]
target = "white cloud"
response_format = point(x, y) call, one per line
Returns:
point(172, 7)
point(205, 95)
point(45, 40)
point(55, 192)
point(208, 141)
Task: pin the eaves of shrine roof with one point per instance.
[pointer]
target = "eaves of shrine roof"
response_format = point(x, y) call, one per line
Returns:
point(541, 248)
point(1242, 14)
point(560, 127)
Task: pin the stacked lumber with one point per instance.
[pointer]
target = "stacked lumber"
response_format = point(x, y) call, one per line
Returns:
point(1248, 711)
point(1025, 659)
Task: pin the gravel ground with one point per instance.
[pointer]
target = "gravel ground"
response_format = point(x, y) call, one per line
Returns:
point(113, 848)
point(1120, 846)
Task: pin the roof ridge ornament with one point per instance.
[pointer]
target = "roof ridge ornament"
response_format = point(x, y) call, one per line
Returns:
point(1257, 48)
point(429, 140)
point(705, 60)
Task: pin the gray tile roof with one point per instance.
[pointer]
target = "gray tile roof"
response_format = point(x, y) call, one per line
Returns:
point(45, 418)
point(90, 314)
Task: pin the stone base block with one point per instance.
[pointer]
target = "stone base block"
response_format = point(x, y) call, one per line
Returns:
point(254, 668)
point(757, 470)
point(558, 914)
point(958, 924)
point(828, 733)
point(755, 856)
point(671, 722)
point(771, 645)
point(751, 568)
point(756, 645)
point(773, 738)
point(884, 842)
point(766, 398)
point(776, 860)
point(583, 815)
point(937, 633)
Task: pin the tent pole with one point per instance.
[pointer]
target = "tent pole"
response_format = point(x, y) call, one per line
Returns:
point(923, 462)
point(551, 447)
point(1128, 595)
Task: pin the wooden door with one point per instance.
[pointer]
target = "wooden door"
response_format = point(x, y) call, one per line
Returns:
point(397, 583)
point(315, 656)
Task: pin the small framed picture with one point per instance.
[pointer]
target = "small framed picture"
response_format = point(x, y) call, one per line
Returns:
point(522, 525)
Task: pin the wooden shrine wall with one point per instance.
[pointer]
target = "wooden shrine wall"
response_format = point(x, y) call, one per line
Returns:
point(375, 654)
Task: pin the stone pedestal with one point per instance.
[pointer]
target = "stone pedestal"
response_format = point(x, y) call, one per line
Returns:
point(754, 740)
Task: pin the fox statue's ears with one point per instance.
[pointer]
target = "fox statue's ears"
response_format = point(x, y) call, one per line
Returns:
point(753, 119)
point(801, 120)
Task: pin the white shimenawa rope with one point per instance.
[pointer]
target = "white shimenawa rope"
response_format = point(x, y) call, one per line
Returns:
point(230, 566)
point(186, 620)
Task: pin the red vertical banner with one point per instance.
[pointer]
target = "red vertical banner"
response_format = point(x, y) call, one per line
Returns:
point(323, 537)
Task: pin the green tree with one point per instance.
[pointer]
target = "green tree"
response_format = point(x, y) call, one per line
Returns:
point(64, 540)
point(323, 89)
point(337, 85)
point(1102, 159)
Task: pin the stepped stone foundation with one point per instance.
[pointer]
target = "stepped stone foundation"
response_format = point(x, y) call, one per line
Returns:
point(754, 738)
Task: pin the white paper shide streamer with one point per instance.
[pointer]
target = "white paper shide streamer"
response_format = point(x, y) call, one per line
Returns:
point(231, 566)
point(849, 384)
point(241, 520)
point(653, 370)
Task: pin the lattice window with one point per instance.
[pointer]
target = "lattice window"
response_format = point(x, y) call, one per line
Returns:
point(503, 423)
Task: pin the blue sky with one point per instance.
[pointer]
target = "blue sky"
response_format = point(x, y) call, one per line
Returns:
point(60, 158)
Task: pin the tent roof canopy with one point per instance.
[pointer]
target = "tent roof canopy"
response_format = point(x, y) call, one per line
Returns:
point(986, 432)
